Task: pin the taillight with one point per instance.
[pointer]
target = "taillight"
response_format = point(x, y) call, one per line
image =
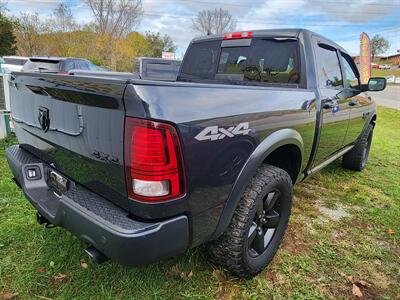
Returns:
point(154, 168)
point(63, 73)
point(238, 35)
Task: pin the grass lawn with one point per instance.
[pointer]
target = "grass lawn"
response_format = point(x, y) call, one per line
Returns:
point(343, 239)
point(383, 73)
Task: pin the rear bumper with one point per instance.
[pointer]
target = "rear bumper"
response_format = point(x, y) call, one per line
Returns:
point(97, 221)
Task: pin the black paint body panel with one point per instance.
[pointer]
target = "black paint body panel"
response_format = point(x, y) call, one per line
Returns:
point(85, 139)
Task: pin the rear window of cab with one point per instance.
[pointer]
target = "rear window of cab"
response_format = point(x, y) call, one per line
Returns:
point(262, 61)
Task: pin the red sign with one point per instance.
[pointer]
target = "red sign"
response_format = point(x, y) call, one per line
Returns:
point(365, 58)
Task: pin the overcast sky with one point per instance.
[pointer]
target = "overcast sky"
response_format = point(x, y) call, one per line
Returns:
point(340, 20)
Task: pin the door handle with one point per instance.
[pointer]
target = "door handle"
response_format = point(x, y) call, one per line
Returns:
point(353, 102)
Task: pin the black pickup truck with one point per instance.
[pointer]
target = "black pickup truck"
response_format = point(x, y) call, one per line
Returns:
point(142, 170)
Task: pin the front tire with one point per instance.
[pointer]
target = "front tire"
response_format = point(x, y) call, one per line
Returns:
point(356, 159)
point(258, 224)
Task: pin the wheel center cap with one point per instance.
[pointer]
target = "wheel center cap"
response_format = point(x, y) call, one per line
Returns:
point(262, 219)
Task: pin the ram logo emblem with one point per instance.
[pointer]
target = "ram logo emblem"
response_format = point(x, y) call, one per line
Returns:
point(214, 133)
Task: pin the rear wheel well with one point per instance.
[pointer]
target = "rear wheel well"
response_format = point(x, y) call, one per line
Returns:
point(288, 158)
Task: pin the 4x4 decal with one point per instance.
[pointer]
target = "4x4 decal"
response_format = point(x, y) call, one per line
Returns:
point(214, 133)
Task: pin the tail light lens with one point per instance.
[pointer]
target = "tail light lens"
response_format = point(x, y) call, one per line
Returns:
point(154, 167)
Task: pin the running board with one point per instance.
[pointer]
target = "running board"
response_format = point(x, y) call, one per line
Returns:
point(330, 160)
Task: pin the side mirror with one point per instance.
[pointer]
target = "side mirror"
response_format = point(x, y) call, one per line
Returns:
point(376, 84)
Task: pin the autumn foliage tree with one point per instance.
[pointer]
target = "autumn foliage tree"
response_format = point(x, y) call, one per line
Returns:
point(28, 32)
point(114, 20)
point(105, 42)
point(379, 45)
point(7, 37)
point(158, 43)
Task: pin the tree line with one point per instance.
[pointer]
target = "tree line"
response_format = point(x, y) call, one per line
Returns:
point(109, 41)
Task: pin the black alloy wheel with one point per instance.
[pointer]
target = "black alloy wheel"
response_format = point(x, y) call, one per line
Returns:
point(258, 224)
point(264, 223)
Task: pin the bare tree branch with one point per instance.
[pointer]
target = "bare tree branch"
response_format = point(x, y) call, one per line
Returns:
point(214, 21)
point(63, 20)
point(116, 17)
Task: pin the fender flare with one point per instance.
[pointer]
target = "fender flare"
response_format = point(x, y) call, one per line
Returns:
point(277, 139)
point(367, 122)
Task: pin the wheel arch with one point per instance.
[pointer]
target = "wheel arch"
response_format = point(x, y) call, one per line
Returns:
point(371, 120)
point(277, 145)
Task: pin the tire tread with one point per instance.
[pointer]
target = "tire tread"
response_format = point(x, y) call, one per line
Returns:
point(228, 249)
point(354, 159)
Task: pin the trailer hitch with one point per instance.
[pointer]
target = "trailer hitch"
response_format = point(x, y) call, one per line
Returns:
point(43, 221)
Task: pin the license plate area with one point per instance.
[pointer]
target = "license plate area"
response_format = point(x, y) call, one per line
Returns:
point(58, 182)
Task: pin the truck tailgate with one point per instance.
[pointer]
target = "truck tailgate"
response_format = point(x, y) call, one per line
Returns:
point(75, 124)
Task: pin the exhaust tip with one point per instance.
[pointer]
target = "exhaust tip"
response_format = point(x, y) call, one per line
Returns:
point(96, 255)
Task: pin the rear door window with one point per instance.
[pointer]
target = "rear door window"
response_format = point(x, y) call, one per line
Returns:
point(69, 65)
point(328, 68)
point(83, 65)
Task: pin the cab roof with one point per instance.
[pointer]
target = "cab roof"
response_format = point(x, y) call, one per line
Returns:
point(284, 32)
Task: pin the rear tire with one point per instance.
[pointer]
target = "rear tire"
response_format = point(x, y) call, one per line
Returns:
point(258, 224)
point(356, 159)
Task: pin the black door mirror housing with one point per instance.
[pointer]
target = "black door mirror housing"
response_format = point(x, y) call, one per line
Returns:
point(375, 84)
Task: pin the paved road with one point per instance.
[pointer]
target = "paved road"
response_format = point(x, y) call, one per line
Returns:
point(390, 97)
